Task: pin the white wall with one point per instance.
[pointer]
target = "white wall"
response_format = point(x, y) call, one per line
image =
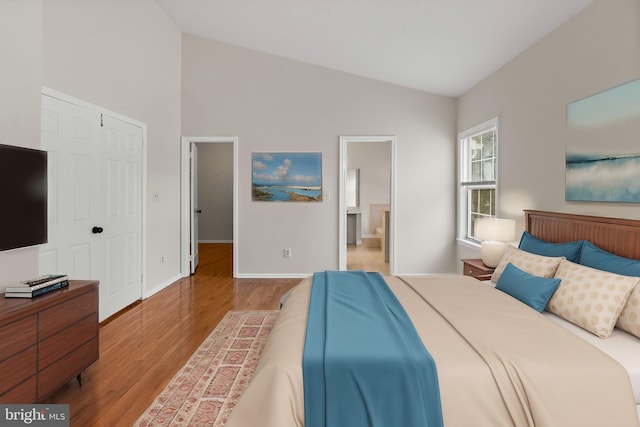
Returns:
point(215, 192)
point(275, 104)
point(124, 55)
point(595, 50)
point(20, 50)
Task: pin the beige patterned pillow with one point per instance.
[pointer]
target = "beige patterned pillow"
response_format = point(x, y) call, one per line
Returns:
point(590, 298)
point(629, 319)
point(536, 265)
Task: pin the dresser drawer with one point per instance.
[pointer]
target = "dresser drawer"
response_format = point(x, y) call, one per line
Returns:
point(18, 368)
point(17, 336)
point(47, 341)
point(22, 393)
point(470, 270)
point(476, 268)
point(66, 314)
point(67, 340)
point(60, 372)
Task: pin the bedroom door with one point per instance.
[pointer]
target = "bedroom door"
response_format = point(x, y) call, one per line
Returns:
point(195, 210)
point(95, 201)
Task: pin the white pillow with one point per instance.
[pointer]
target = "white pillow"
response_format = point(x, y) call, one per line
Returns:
point(536, 265)
point(629, 319)
point(590, 298)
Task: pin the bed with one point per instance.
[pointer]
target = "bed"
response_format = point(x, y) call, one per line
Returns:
point(499, 362)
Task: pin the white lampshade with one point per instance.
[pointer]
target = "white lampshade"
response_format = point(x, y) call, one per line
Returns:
point(502, 230)
point(494, 232)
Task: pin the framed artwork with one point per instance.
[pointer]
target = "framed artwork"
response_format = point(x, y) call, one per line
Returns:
point(602, 162)
point(286, 177)
point(602, 178)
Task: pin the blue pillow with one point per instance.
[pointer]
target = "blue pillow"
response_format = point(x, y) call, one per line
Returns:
point(595, 257)
point(569, 250)
point(532, 290)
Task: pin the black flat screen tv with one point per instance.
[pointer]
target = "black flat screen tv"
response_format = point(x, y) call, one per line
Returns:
point(23, 197)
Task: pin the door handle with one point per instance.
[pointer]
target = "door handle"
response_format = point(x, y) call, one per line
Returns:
point(198, 210)
point(97, 230)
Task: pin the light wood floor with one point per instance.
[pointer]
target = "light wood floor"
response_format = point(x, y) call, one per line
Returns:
point(142, 347)
point(363, 257)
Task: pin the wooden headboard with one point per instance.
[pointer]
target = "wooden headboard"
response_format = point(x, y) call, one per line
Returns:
point(616, 235)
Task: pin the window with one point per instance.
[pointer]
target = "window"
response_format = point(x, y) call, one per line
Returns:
point(477, 190)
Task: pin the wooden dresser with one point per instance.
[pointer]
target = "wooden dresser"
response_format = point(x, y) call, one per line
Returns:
point(47, 341)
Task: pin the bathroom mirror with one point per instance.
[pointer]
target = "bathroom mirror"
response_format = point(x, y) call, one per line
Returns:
point(353, 188)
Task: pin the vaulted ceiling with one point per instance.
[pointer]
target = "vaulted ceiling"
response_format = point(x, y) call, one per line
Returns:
point(438, 46)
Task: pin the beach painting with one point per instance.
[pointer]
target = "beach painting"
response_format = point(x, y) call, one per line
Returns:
point(602, 178)
point(286, 177)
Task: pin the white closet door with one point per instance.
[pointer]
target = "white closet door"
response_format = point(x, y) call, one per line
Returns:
point(69, 135)
point(95, 217)
point(120, 214)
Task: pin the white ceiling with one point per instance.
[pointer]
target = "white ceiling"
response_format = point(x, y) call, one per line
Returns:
point(438, 46)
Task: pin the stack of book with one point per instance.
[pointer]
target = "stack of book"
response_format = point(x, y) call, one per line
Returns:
point(38, 286)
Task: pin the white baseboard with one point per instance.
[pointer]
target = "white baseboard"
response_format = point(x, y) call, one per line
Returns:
point(273, 276)
point(159, 287)
point(426, 274)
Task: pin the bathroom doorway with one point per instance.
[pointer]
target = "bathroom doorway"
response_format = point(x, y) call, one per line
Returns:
point(366, 203)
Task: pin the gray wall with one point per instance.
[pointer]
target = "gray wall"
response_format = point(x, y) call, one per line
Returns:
point(215, 192)
point(127, 56)
point(122, 55)
point(274, 104)
point(595, 50)
point(21, 53)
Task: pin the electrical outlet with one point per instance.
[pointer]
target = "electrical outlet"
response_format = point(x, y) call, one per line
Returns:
point(286, 252)
point(161, 260)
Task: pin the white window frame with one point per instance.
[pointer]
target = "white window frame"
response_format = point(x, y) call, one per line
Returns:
point(464, 185)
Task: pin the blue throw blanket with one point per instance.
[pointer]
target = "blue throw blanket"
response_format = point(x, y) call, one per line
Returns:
point(364, 364)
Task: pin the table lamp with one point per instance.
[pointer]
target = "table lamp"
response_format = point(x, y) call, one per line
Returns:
point(494, 232)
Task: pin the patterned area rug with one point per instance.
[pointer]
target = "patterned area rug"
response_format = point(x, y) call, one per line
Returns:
point(205, 390)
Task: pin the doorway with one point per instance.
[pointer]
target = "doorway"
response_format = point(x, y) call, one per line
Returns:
point(191, 206)
point(367, 203)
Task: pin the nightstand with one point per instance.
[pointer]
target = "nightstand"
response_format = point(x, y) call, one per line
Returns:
point(474, 267)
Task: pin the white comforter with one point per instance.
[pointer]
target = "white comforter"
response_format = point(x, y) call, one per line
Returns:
point(499, 363)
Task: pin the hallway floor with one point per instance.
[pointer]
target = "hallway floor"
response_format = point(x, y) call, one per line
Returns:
point(361, 257)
